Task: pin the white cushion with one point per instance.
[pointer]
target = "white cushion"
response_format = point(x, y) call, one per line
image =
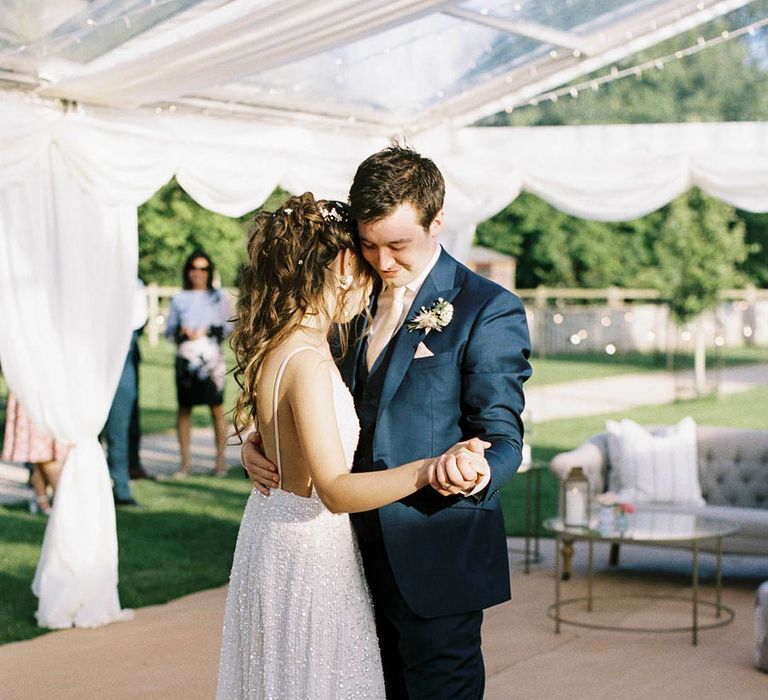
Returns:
point(660, 468)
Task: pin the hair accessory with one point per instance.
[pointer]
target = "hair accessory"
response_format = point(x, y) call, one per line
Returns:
point(287, 211)
point(301, 262)
point(332, 214)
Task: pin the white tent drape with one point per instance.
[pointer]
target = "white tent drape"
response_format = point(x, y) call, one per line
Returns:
point(67, 266)
point(69, 187)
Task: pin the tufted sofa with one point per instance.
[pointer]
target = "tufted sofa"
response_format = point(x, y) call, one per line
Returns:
point(733, 474)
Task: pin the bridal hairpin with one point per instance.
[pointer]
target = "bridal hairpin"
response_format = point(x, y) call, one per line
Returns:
point(331, 214)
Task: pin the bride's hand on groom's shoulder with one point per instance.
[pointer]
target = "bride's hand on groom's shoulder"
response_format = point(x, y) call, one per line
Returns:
point(461, 469)
point(261, 472)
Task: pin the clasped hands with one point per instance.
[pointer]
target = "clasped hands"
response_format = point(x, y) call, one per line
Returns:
point(459, 471)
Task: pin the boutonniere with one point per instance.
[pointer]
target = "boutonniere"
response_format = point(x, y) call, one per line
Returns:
point(436, 317)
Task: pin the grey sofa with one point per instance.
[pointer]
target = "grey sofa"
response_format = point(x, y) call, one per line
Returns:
point(733, 473)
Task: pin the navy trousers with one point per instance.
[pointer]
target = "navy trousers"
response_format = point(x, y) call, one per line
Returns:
point(117, 429)
point(424, 658)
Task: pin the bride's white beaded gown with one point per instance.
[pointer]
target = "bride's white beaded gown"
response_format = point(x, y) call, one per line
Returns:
point(299, 620)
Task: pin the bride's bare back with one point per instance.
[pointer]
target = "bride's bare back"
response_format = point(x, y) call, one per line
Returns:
point(295, 477)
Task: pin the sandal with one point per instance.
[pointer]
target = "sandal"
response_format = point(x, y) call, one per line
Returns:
point(41, 505)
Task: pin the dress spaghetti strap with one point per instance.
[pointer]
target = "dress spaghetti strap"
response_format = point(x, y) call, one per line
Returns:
point(280, 371)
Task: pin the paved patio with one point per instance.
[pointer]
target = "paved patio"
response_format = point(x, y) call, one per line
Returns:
point(170, 652)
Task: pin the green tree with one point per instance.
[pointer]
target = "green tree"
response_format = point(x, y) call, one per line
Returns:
point(559, 250)
point(172, 225)
point(723, 83)
point(755, 267)
point(727, 82)
point(698, 250)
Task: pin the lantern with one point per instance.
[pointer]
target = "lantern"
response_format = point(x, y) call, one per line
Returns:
point(574, 499)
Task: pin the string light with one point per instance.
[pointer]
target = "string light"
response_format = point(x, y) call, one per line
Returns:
point(637, 71)
point(59, 44)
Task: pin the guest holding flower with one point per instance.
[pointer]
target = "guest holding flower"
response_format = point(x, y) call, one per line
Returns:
point(198, 322)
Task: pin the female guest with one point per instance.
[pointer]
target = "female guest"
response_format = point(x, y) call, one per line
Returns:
point(198, 322)
point(26, 442)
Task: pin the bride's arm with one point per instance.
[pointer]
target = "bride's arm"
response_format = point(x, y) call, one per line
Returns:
point(310, 393)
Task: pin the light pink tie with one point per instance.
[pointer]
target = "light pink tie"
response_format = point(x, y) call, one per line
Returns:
point(391, 302)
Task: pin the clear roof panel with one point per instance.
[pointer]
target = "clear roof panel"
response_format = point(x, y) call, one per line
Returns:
point(565, 15)
point(77, 31)
point(411, 69)
point(399, 72)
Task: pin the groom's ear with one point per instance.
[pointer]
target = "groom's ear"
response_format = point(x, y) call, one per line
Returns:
point(437, 223)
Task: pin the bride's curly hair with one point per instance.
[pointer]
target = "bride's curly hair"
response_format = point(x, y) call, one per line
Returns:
point(289, 254)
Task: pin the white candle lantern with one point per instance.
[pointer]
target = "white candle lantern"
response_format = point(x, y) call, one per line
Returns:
point(574, 499)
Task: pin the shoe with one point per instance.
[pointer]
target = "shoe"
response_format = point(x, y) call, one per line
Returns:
point(126, 502)
point(40, 505)
point(139, 473)
point(43, 504)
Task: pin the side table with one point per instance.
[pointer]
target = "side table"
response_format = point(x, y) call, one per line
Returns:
point(655, 527)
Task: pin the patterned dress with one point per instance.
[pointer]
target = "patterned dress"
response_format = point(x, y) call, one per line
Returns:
point(26, 442)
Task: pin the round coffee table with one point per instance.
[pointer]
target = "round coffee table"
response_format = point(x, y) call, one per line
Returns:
point(648, 527)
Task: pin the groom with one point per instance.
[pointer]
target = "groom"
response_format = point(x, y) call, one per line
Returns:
point(424, 378)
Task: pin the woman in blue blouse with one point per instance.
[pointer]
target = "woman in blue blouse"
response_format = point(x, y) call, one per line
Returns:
point(198, 322)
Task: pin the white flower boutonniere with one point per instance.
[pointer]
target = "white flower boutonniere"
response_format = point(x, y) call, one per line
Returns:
point(434, 318)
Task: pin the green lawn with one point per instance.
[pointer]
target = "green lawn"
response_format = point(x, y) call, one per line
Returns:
point(180, 541)
point(558, 369)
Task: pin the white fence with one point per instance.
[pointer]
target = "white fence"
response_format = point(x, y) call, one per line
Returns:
point(622, 320)
point(609, 320)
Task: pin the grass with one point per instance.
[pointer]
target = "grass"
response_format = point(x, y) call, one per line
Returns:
point(180, 541)
point(558, 369)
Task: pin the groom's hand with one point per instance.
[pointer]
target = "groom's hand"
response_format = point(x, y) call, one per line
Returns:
point(261, 472)
point(461, 470)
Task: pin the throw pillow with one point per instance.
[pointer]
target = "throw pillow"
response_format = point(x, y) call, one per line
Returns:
point(660, 468)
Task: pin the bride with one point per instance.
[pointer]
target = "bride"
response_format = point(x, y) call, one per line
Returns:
point(299, 621)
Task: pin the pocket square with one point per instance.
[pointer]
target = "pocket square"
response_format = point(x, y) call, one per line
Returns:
point(422, 351)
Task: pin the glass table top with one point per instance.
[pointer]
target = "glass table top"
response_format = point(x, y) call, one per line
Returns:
point(651, 526)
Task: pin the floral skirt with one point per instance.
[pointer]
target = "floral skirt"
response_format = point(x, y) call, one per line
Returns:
point(200, 371)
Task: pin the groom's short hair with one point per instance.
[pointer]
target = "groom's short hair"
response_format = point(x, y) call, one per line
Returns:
point(391, 177)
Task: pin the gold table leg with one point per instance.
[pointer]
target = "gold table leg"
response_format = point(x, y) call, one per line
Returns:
point(557, 583)
point(695, 599)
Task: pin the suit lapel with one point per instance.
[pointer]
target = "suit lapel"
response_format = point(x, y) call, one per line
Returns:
point(358, 344)
point(439, 283)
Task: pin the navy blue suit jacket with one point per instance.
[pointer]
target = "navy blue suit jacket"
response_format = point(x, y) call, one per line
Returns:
point(449, 554)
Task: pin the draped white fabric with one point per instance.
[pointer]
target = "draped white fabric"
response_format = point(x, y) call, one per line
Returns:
point(69, 187)
point(235, 40)
point(67, 268)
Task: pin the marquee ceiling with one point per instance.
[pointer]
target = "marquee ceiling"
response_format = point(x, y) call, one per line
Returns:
point(378, 66)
